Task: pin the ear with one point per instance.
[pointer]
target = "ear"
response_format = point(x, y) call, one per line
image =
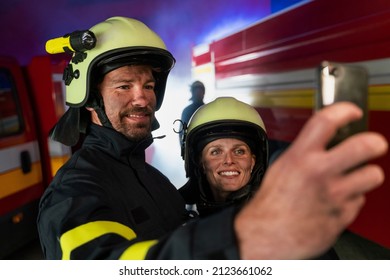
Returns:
point(202, 167)
point(94, 116)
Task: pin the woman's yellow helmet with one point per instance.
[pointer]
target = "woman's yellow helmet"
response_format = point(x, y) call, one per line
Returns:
point(225, 117)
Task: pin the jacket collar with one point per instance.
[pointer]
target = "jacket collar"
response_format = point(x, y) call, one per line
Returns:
point(115, 143)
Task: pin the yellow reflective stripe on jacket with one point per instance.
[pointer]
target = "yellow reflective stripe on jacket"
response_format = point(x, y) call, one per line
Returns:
point(80, 235)
point(137, 251)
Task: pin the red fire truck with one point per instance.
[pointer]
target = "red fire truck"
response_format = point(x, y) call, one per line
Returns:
point(31, 100)
point(272, 66)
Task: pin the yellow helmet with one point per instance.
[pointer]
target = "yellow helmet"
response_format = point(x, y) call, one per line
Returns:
point(115, 42)
point(119, 41)
point(225, 117)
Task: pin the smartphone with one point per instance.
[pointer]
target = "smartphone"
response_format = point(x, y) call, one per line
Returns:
point(343, 82)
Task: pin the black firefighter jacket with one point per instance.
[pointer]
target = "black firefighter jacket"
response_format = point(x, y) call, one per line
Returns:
point(106, 202)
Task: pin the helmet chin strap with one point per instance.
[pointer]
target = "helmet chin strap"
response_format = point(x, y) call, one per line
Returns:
point(98, 105)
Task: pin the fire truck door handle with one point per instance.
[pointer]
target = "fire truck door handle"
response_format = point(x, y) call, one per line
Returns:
point(25, 160)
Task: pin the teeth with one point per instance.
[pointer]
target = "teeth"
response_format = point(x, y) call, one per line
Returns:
point(229, 173)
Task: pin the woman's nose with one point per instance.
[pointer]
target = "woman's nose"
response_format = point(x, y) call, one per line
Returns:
point(228, 159)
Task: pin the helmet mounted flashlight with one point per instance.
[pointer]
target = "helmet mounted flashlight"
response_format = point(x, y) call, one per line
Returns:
point(77, 41)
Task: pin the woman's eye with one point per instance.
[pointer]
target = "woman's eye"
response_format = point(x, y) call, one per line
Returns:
point(240, 152)
point(124, 87)
point(215, 152)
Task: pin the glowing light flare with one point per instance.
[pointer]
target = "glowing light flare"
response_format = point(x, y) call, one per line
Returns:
point(328, 86)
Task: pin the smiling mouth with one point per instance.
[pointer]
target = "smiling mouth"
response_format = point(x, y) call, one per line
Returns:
point(132, 116)
point(137, 114)
point(229, 173)
point(140, 115)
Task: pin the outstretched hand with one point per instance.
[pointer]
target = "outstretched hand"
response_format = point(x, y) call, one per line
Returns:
point(311, 194)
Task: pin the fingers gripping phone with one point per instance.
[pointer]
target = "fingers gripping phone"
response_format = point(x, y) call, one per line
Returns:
point(341, 82)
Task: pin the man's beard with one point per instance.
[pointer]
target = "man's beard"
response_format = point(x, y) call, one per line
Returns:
point(134, 131)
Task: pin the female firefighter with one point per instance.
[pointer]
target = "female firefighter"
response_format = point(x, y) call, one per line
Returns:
point(229, 172)
point(226, 156)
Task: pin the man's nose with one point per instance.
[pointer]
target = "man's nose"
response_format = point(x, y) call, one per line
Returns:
point(139, 97)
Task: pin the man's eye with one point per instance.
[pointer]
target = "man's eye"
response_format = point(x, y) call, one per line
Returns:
point(215, 152)
point(240, 152)
point(149, 87)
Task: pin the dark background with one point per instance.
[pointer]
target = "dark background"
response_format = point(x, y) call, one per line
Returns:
point(26, 25)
